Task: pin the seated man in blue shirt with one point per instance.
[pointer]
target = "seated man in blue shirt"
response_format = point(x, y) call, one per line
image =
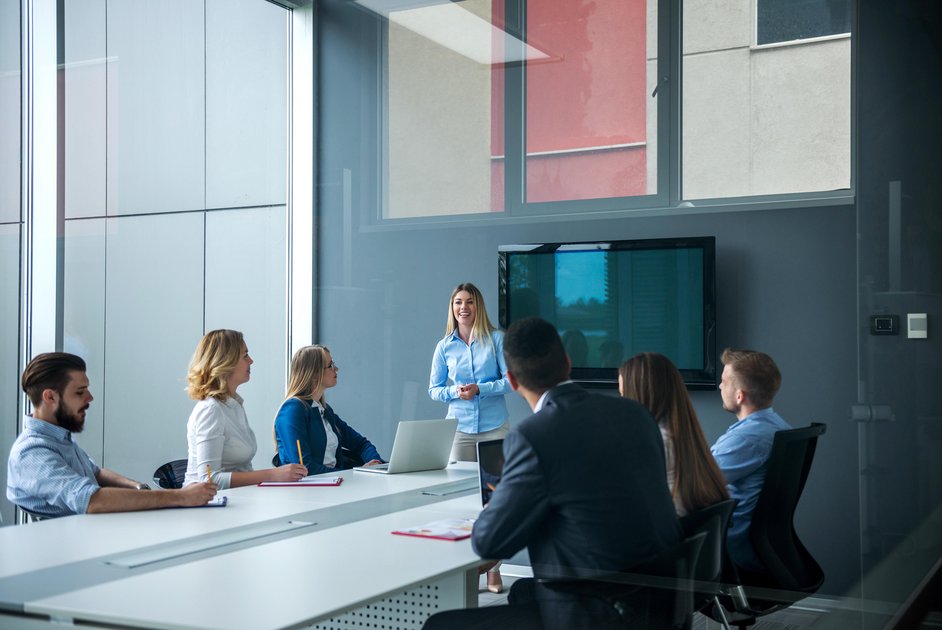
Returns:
point(50, 475)
point(749, 383)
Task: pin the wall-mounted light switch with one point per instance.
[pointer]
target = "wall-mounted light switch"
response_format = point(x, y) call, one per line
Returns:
point(917, 325)
point(884, 324)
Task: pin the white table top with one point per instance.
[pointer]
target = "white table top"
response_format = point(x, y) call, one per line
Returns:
point(296, 581)
point(268, 583)
point(59, 541)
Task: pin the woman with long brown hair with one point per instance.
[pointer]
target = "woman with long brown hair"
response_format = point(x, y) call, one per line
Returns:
point(694, 479)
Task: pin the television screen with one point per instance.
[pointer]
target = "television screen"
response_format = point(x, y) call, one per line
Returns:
point(610, 300)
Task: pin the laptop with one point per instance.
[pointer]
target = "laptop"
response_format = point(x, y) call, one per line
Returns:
point(419, 445)
point(490, 467)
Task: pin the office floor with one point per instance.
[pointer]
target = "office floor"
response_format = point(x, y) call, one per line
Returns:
point(790, 619)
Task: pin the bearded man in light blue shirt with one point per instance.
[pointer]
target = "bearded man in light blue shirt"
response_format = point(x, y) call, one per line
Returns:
point(749, 383)
point(50, 475)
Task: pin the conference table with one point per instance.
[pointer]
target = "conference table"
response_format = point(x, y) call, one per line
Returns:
point(274, 557)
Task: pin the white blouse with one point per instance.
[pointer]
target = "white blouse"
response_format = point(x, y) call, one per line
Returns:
point(218, 435)
point(669, 459)
point(330, 450)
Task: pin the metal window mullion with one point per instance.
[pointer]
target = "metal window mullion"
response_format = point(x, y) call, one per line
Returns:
point(670, 65)
point(515, 110)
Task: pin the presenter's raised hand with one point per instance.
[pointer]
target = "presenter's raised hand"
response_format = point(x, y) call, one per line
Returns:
point(467, 392)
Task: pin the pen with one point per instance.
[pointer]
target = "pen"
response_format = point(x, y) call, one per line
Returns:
point(300, 456)
point(209, 474)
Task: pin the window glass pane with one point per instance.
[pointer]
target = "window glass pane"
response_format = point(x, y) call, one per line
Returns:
point(444, 109)
point(9, 232)
point(588, 106)
point(9, 111)
point(786, 20)
point(760, 121)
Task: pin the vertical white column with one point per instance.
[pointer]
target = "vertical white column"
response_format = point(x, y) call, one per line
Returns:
point(43, 220)
point(302, 234)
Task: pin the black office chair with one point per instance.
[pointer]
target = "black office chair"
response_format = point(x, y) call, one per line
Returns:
point(792, 572)
point(713, 521)
point(656, 593)
point(170, 475)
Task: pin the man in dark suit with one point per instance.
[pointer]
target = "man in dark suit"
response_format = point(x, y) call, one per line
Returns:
point(584, 488)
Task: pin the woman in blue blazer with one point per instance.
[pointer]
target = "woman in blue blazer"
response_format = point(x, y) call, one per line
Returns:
point(306, 418)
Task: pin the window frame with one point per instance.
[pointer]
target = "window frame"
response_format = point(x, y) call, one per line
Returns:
point(666, 201)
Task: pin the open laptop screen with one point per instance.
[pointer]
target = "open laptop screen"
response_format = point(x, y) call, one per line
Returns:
point(490, 466)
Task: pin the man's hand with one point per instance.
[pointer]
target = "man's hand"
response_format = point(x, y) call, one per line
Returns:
point(197, 493)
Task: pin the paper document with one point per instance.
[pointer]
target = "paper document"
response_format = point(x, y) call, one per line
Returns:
point(448, 529)
point(214, 502)
point(307, 481)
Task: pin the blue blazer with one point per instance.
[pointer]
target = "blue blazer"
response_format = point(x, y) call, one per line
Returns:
point(299, 420)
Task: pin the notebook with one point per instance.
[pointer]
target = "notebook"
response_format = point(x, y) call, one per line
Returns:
point(310, 480)
point(490, 466)
point(419, 445)
point(449, 529)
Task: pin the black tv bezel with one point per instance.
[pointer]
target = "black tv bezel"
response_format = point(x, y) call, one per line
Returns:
point(696, 379)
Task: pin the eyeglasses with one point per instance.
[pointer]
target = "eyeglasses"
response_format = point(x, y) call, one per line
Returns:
point(332, 366)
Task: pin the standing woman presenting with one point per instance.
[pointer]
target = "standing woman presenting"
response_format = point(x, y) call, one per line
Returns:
point(469, 373)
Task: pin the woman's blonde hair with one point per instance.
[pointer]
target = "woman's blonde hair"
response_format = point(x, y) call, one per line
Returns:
point(307, 371)
point(482, 327)
point(216, 356)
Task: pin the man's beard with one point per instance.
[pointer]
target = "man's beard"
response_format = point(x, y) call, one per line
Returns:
point(69, 421)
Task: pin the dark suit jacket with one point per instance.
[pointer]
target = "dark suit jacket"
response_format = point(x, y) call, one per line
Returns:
point(584, 488)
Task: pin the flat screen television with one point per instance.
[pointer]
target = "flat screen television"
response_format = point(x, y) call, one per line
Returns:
point(612, 299)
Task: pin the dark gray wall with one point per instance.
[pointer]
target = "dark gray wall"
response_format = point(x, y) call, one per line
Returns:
point(899, 132)
point(787, 283)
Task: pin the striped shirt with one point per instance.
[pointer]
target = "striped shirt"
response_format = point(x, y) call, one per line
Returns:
point(48, 473)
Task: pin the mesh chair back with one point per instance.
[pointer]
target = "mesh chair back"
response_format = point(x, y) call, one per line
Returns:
point(712, 520)
point(789, 564)
point(170, 475)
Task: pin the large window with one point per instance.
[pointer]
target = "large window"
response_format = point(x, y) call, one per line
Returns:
point(788, 20)
point(10, 228)
point(761, 121)
point(536, 106)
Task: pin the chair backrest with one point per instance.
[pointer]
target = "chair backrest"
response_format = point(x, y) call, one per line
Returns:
point(788, 562)
point(30, 517)
point(170, 475)
point(713, 521)
point(673, 607)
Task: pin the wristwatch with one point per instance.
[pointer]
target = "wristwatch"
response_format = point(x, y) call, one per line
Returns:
point(142, 486)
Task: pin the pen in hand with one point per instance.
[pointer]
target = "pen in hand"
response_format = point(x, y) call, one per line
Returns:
point(300, 456)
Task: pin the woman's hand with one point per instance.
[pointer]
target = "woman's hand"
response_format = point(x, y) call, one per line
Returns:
point(467, 392)
point(288, 472)
point(373, 462)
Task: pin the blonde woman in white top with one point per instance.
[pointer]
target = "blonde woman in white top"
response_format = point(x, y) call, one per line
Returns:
point(220, 441)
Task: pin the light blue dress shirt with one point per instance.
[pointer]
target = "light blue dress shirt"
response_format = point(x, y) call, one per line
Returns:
point(742, 453)
point(48, 473)
point(457, 363)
